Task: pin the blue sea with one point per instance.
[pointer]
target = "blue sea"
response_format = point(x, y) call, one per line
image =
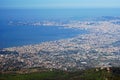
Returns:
point(18, 35)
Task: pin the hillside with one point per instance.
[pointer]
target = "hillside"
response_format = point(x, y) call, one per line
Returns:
point(89, 74)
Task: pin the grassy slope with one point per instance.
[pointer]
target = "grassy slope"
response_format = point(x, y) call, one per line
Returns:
point(90, 74)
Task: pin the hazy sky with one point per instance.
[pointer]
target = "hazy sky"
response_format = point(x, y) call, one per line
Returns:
point(59, 3)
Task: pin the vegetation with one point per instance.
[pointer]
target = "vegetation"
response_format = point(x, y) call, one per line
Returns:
point(90, 74)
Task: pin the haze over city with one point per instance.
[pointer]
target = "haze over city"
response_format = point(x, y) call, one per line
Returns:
point(59, 39)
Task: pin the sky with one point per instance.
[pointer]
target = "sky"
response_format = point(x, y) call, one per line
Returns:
point(59, 3)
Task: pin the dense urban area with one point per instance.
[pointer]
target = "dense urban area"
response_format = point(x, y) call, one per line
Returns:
point(100, 47)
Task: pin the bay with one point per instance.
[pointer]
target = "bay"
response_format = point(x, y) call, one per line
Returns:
point(17, 35)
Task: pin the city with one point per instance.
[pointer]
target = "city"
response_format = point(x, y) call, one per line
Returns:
point(97, 48)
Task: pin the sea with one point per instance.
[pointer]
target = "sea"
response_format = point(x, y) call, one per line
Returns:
point(19, 35)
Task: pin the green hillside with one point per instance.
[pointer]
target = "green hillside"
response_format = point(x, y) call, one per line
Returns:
point(90, 74)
